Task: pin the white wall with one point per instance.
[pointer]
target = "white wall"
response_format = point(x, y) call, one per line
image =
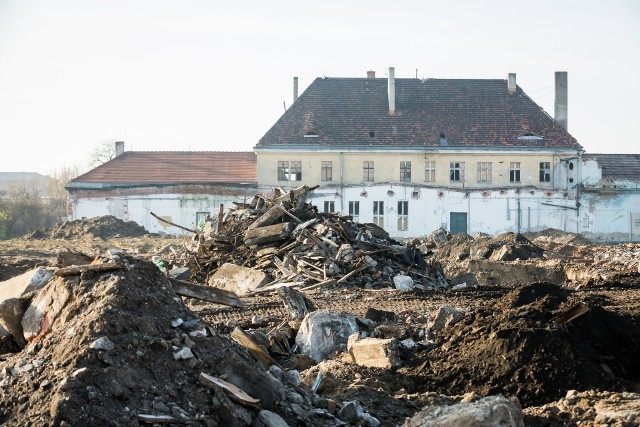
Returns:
point(491, 211)
point(178, 208)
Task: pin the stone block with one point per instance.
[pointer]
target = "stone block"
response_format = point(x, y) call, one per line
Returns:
point(44, 309)
point(27, 282)
point(376, 352)
point(237, 279)
point(322, 333)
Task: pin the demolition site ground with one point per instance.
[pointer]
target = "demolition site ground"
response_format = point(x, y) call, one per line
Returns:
point(277, 315)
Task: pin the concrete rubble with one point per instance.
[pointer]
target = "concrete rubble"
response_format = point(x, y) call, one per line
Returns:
point(276, 314)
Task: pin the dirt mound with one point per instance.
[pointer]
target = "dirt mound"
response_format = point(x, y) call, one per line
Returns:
point(559, 237)
point(122, 346)
point(103, 227)
point(515, 348)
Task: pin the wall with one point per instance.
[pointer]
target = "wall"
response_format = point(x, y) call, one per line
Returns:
point(387, 166)
point(489, 211)
point(131, 205)
point(610, 214)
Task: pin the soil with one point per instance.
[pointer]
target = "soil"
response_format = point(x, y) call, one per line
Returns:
point(509, 342)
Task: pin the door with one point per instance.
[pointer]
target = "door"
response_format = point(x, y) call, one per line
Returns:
point(458, 223)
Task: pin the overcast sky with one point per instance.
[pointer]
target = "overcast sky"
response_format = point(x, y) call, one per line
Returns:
point(209, 75)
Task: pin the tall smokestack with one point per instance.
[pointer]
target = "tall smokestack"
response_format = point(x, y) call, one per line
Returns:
point(561, 104)
point(295, 89)
point(511, 83)
point(119, 148)
point(392, 91)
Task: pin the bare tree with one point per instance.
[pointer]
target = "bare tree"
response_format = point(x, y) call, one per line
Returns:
point(102, 153)
point(55, 192)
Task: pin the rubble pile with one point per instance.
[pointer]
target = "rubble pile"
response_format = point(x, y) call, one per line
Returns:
point(102, 227)
point(275, 314)
point(118, 347)
point(283, 241)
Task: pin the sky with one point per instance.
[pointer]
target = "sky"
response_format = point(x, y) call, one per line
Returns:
point(208, 75)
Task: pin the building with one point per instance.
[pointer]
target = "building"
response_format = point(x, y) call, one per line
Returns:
point(180, 187)
point(412, 155)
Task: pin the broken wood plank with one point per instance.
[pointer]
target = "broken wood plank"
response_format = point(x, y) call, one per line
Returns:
point(258, 353)
point(269, 217)
point(220, 218)
point(270, 233)
point(295, 302)
point(160, 419)
point(328, 282)
point(79, 269)
point(235, 393)
point(171, 223)
point(205, 293)
point(351, 273)
point(571, 313)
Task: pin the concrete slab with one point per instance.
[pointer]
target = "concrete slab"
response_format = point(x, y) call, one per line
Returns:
point(237, 279)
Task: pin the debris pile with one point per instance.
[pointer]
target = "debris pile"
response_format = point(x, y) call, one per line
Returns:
point(115, 346)
point(284, 242)
point(102, 227)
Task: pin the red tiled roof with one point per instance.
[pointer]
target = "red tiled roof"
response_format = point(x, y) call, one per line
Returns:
point(618, 166)
point(175, 167)
point(471, 113)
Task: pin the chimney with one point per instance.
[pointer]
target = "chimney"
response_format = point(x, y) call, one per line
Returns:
point(119, 148)
point(511, 83)
point(392, 91)
point(295, 89)
point(371, 74)
point(561, 102)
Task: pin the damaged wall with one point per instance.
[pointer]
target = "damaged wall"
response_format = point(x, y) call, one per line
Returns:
point(490, 211)
point(136, 204)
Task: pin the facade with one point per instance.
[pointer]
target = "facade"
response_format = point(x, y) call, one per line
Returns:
point(412, 155)
point(180, 187)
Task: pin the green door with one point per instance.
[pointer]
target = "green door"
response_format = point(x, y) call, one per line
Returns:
point(458, 222)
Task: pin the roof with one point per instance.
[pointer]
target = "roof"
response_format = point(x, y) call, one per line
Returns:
point(618, 166)
point(174, 167)
point(470, 113)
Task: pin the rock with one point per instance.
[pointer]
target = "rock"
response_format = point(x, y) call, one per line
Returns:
point(180, 273)
point(376, 352)
point(370, 420)
point(446, 316)
point(27, 282)
point(487, 412)
point(323, 333)
point(350, 412)
point(102, 343)
point(183, 354)
point(271, 419)
point(237, 279)
point(403, 283)
point(293, 377)
point(11, 313)
point(379, 316)
point(276, 371)
point(41, 315)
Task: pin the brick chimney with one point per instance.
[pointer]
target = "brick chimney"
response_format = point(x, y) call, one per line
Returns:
point(371, 74)
point(119, 148)
point(392, 91)
point(561, 112)
point(511, 83)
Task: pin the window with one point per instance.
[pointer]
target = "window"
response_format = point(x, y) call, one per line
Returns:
point(378, 214)
point(326, 173)
point(429, 171)
point(514, 172)
point(289, 171)
point(405, 171)
point(456, 171)
point(329, 206)
point(545, 172)
point(283, 171)
point(367, 170)
point(403, 215)
point(354, 210)
point(484, 171)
